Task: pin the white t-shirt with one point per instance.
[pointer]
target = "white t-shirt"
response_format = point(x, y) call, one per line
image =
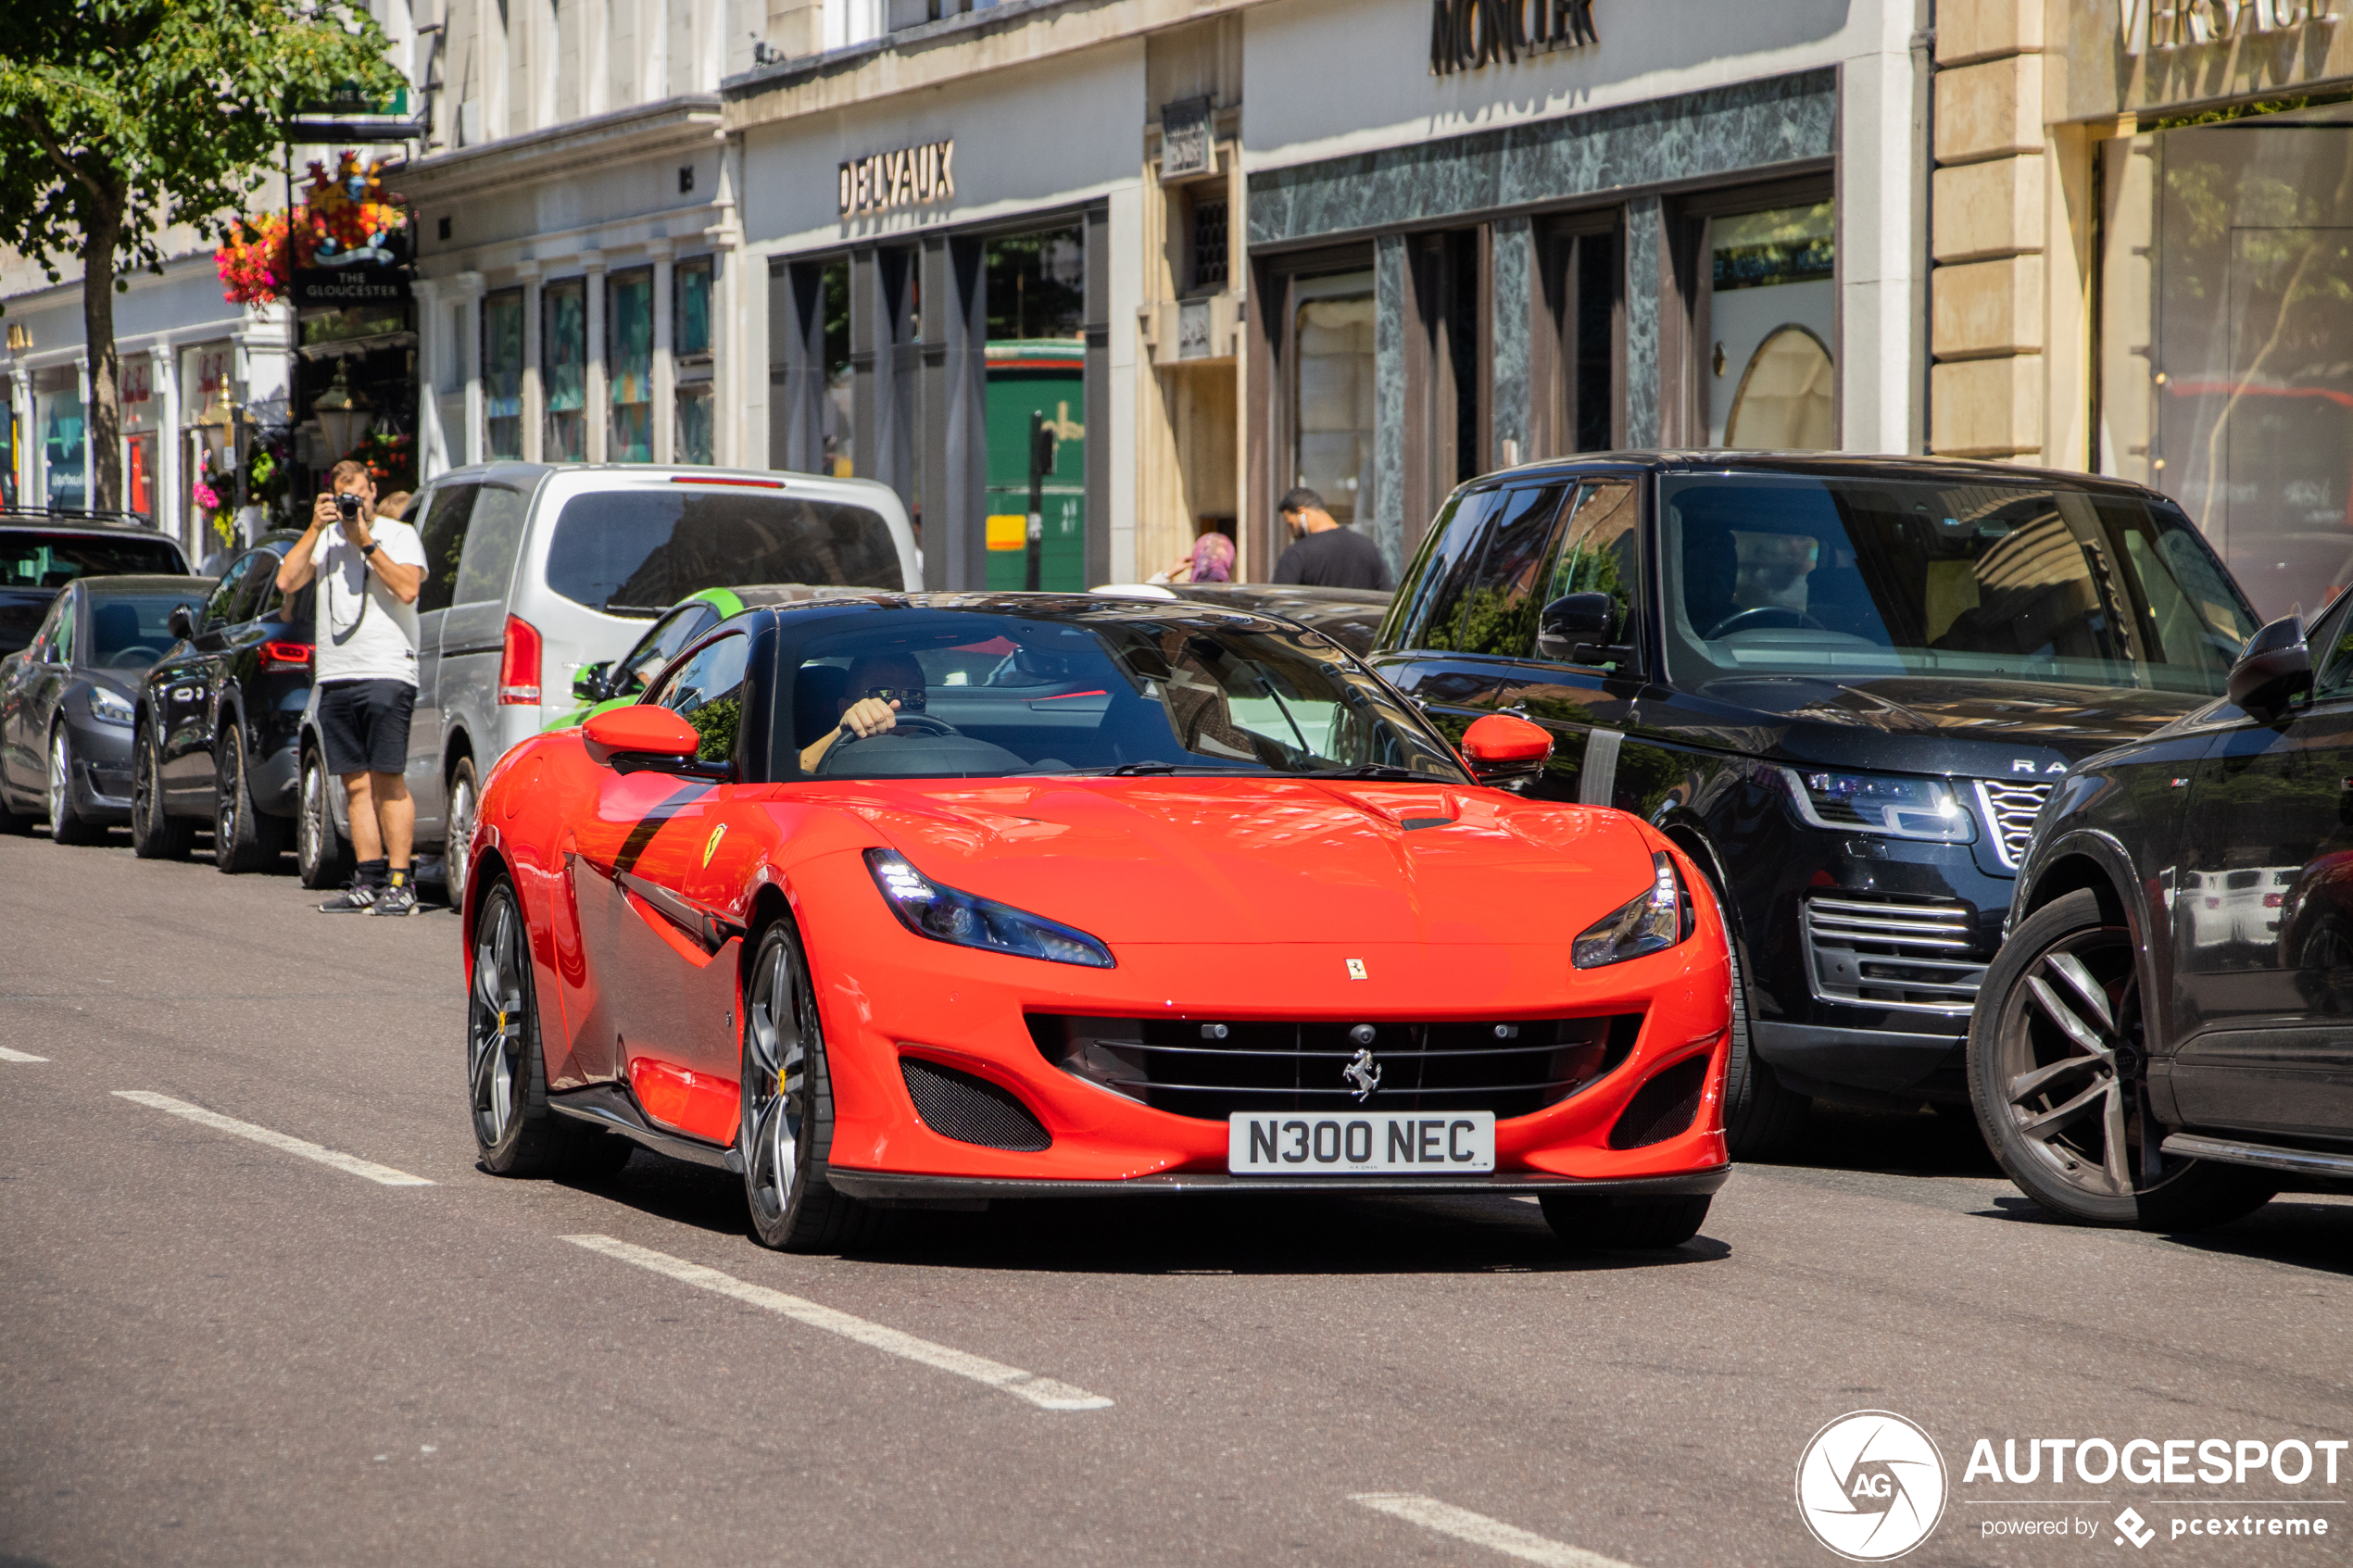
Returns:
point(365, 633)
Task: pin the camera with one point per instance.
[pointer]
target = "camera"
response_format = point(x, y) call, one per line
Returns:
point(348, 506)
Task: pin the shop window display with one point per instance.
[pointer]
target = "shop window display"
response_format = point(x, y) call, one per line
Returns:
point(691, 358)
point(563, 372)
point(502, 373)
point(629, 365)
point(1332, 414)
point(1037, 286)
point(841, 410)
point(1772, 313)
point(57, 414)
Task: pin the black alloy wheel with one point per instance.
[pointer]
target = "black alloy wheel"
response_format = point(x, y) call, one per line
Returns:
point(506, 1073)
point(2058, 1071)
point(321, 857)
point(66, 824)
point(784, 1124)
point(156, 835)
point(243, 839)
point(1632, 1224)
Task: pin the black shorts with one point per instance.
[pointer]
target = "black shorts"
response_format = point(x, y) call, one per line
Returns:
point(365, 725)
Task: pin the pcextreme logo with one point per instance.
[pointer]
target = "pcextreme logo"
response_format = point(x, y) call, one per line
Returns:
point(1870, 1485)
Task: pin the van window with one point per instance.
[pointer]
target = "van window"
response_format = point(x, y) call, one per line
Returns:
point(488, 564)
point(637, 552)
point(443, 533)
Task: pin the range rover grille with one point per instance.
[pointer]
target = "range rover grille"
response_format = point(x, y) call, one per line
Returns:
point(2009, 810)
point(1209, 1069)
point(1911, 955)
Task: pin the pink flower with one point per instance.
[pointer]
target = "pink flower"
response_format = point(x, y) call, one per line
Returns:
point(206, 496)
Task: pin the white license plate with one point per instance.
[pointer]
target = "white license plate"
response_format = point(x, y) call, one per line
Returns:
point(1369, 1143)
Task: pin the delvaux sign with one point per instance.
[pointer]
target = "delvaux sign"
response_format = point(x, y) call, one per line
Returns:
point(909, 177)
point(1468, 34)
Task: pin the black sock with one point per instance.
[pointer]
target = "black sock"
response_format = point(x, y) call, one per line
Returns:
point(373, 873)
point(399, 875)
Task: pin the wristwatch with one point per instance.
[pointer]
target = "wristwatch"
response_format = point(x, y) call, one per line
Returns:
point(369, 549)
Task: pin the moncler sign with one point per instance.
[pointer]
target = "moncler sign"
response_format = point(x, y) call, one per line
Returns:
point(910, 177)
point(1466, 34)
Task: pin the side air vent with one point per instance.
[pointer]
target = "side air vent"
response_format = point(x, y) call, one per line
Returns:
point(957, 1104)
point(1663, 1106)
point(2009, 811)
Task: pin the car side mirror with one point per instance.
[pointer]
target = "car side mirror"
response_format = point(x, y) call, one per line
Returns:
point(1581, 627)
point(180, 623)
point(589, 684)
point(643, 738)
point(1504, 751)
point(2274, 666)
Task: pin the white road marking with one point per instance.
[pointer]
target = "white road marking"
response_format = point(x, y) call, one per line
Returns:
point(1479, 1530)
point(1043, 1392)
point(351, 1163)
point(7, 1055)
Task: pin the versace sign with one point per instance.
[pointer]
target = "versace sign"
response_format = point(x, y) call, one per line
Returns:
point(1468, 34)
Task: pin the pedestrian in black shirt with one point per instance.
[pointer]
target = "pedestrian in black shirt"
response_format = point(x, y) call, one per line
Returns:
point(1329, 552)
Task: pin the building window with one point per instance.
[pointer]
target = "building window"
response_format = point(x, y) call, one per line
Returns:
point(139, 414)
point(691, 358)
point(1036, 380)
point(1332, 391)
point(563, 370)
point(1583, 272)
point(839, 413)
point(1208, 252)
point(629, 364)
point(1772, 310)
point(502, 373)
point(57, 416)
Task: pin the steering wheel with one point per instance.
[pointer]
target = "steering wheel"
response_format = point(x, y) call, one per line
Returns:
point(124, 658)
point(922, 721)
point(1757, 620)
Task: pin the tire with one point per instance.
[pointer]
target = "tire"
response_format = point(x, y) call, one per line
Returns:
point(321, 859)
point(457, 855)
point(66, 824)
point(1762, 1117)
point(243, 839)
point(2070, 1124)
point(156, 834)
point(785, 1128)
point(507, 1074)
point(1633, 1224)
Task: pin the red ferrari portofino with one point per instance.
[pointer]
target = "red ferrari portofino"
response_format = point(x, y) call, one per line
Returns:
point(942, 897)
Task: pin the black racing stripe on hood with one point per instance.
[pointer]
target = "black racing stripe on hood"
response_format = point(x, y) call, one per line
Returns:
point(652, 824)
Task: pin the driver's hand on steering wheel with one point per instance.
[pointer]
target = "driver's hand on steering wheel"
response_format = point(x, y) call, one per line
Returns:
point(870, 716)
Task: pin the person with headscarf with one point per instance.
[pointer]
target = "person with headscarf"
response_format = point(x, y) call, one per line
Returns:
point(1211, 560)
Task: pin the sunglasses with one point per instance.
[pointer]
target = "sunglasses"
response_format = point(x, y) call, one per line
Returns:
point(908, 698)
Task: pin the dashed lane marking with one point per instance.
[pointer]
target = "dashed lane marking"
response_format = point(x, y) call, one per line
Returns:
point(1479, 1530)
point(1043, 1392)
point(350, 1163)
point(7, 1055)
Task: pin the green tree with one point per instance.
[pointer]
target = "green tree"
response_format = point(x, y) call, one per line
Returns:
point(121, 118)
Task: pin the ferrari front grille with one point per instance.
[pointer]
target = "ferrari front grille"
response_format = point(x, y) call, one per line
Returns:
point(1913, 955)
point(1210, 1069)
point(2009, 810)
point(971, 1110)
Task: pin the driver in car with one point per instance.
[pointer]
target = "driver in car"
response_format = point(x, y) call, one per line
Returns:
point(879, 686)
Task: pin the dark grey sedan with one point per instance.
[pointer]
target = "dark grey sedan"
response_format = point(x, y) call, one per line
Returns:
point(67, 702)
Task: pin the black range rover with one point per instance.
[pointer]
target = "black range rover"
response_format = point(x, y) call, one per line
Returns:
point(1845, 685)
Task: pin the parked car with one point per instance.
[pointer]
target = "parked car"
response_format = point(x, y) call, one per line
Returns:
point(933, 963)
point(1350, 616)
point(219, 718)
point(609, 684)
point(40, 551)
point(1845, 685)
point(536, 572)
point(2167, 1038)
point(67, 701)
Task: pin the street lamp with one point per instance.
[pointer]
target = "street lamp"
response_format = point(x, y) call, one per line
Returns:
point(345, 416)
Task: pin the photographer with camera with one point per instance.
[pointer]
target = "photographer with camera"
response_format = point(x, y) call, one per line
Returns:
point(368, 568)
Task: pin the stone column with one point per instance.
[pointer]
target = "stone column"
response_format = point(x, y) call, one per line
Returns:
point(1393, 319)
point(432, 441)
point(597, 408)
point(89, 472)
point(28, 432)
point(166, 479)
point(730, 442)
point(1515, 252)
point(470, 356)
point(665, 374)
point(534, 394)
point(1645, 239)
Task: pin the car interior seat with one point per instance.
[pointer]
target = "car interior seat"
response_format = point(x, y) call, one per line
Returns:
point(817, 701)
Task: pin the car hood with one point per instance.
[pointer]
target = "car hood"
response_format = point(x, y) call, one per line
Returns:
point(1821, 721)
point(1174, 860)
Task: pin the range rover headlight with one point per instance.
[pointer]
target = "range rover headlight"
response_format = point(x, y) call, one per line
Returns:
point(1653, 922)
point(945, 914)
point(1881, 803)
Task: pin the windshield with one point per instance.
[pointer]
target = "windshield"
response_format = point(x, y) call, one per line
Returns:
point(132, 631)
point(637, 552)
point(52, 560)
point(1850, 579)
point(1095, 690)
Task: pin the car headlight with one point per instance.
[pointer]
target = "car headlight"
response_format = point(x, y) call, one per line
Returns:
point(1653, 922)
point(1900, 808)
point(108, 706)
point(945, 914)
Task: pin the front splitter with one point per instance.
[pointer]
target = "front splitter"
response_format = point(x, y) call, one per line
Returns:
point(895, 1186)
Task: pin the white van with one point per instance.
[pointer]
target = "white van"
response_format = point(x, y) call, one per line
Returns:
point(537, 569)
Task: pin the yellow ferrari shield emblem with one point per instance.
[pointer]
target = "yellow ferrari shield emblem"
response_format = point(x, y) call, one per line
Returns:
point(1356, 969)
point(710, 845)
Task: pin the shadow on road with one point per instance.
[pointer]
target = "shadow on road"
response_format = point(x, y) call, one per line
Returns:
point(1922, 1143)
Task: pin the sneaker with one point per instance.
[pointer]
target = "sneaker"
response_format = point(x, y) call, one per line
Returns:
point(357, 900)
point(398, 899)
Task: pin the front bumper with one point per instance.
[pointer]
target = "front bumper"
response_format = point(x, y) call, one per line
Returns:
point(888, 996)
point(101, 776)
point(886, 1186)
